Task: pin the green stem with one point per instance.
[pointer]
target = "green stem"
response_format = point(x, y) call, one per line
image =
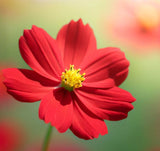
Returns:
point(47, 139)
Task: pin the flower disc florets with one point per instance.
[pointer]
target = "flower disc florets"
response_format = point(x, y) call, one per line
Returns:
point(72, 78)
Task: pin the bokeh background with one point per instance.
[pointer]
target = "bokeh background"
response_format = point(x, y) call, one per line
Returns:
point(141, 130)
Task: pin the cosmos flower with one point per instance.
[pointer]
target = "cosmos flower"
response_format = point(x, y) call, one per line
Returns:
point(137, 24)
point(75, 81)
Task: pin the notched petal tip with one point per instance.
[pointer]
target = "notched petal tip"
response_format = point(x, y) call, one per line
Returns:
point(133, 99)
point(40, 52)
point(52, 111)
point(79, 21)
point(76, 41)
point(27, 31)
point(34, 26)
point(129, 96)
point(24, 85)
point(109, 104)
point(85, 124)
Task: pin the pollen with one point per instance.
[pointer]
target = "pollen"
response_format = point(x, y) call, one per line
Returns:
point(148, 17)
point(72, 79)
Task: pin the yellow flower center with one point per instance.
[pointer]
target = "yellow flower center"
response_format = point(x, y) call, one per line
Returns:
point(148, 16)
point(72, 79)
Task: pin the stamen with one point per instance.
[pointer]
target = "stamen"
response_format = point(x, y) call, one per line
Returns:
point(72, 79)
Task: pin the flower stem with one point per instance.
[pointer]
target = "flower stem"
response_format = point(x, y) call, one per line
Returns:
point(47, 139)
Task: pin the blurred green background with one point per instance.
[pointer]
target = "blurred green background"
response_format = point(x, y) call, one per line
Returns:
point(140, 131)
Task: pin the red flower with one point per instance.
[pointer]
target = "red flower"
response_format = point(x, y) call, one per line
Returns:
point(2, 87)
point(10, 136)
point(76, 83)
point(4, 97)
point(137, 23)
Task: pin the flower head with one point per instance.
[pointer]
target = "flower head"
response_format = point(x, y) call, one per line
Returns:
point(76, 82)
point(72, 79)
point(137, 23)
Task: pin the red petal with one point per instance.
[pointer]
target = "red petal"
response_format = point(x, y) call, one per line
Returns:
point(57, 108)
point(39, 51)
point(111, 104)
point(107, 83)
point(76, 41)
point(86, 125)
point(106, 63)
point(26, 85)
